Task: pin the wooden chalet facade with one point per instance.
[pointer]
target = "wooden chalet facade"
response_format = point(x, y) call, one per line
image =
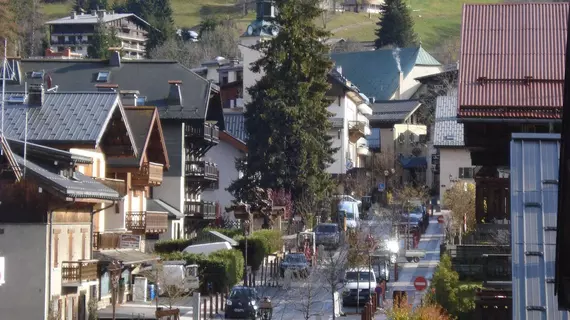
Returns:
point(509, 81)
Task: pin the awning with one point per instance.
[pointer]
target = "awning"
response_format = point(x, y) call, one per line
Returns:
point(413, 162)
point(125, 256)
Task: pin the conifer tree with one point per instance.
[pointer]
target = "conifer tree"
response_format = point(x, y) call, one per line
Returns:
point(103, 39)
point(395, 27)
point(287, 119)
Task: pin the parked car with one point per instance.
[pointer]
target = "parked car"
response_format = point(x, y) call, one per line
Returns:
point(242, 303)
point(176, 275)
point(328, 235)
point(295, 262)
point(345, 197)
point(357, 285)
point(350, 209)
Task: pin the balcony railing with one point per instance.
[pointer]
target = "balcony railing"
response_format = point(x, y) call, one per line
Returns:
point(204, 209)
point(150, 174)
point(204, 169)
point(118, 185)
point(147, 222)
point(102, 241)
point(206, 131)
point(77, 272)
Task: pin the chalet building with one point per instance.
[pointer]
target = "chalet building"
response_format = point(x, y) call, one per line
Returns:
point(91, 127)
point(190, 113)
point(504, 89)
point(75, 32)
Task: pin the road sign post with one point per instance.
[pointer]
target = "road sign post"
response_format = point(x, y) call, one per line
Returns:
point(420, 283)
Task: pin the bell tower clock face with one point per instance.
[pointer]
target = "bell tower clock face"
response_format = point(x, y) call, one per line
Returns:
point(249, 30)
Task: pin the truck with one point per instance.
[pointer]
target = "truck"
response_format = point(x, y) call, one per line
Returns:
point(176, 275)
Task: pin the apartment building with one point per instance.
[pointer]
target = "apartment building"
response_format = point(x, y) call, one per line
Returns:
point(75, 32)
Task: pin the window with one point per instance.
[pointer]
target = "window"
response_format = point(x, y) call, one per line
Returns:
point(239, 76)
point(141, 101)
point(16, 99)
point(37, 75)
point(103, 76)
point(466, 173)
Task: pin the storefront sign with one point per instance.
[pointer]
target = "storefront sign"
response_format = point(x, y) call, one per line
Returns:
point(130, 241)
point(2, 277)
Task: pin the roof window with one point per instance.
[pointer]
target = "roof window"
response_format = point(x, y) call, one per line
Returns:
point(16, 99)
point(103, 76)
point(37, 75)
point(449, 137)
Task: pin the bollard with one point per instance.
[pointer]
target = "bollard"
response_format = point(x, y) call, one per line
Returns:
point(217, 298)
point(362, 315)
point(211, 307)
point(374, 300)
point(369, 310)
point(205, 309)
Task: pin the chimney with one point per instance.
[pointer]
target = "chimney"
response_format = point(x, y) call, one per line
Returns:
point(36, 95)
point(175, 94)
point(339, 69)
point(400, 84)
point(107, 87)
point(129, 97)
point(115, 57)
point(73, 14)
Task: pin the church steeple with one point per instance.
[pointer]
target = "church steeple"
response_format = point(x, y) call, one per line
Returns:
point(263, 25)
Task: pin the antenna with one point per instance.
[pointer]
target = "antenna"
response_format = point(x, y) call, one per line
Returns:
point(4, 66)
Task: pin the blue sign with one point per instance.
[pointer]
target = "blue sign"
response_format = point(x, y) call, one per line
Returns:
point(349, 165)
point(381, 187)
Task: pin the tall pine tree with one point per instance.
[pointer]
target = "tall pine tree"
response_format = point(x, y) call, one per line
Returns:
point(396, 27)
point(287, 119)
point(103, 39)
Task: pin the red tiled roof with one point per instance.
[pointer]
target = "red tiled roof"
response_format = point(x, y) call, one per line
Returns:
point(512, 60)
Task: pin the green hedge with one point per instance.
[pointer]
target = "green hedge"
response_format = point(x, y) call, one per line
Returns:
point(223, 269)
point(167, 246)
point(231, 233)
point(259, 245)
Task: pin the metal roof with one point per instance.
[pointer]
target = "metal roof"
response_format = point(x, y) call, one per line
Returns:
point(46, 153)
point(502, 45)
point(80, 186)
point(534, 194)
point(149, 77)
point(375, 73)
point(63, 117)
point(158, 205)
point(448, 132)
point(126, 256)
point(82, 18)
point(392, 111)
point(235, 125)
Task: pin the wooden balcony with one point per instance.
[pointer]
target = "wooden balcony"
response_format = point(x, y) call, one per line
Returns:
point(356, 130)
point(150, 174)
point(200, 209)
point(118, 185)
point(201, 170)
point(203, 131)
point(102, 241)
point(74, 273)
point(147, 222)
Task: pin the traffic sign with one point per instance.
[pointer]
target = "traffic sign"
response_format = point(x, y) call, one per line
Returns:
point(440, 219)
point(381, 186)
point(420, 283)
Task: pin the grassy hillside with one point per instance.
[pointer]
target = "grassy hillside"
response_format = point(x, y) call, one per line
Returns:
point(435, 20)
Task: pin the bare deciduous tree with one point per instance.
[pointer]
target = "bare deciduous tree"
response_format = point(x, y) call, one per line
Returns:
point(334, 265)
point(222, 41)
point(460, 199)
point(308, 296)
point(172, 293)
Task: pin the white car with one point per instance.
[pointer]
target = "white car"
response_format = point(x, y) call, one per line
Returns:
point(358, 284)
point(346, 197)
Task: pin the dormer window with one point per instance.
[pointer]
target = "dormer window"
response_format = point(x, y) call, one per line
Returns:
point(37, 75)
point(141, 101)
point(16, 99)
point(103, 76)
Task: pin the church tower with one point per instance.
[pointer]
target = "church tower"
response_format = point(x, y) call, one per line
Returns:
point(262, 27)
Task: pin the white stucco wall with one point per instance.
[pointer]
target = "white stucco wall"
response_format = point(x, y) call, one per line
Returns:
point(450, 162)
point(407, 130)
point(410, 86)
point(24, 296)
point(224, 155)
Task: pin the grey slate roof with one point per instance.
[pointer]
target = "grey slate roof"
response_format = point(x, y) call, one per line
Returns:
point(157, 205)
point(82, 187)
point(46, 153)
point(393, 111)
point(376, 72)
point(63, 117)
point(448, 132)
point(235, 125)
point(126, 256)
point(149, 77)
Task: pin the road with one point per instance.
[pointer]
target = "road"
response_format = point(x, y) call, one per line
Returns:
point(292, 300)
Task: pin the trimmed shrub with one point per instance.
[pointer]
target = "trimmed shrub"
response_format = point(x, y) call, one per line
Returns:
point(167, 246)
point(273, 238)
point(234, 266)
point(259, 245)
point(231, 233)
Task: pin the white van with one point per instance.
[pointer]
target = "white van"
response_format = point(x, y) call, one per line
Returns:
point(350, 209)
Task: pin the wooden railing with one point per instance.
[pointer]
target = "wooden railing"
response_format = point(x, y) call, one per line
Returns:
point(118, 185)
point(204, 169)
point(103, 241)
point(78, 271)
point(204, 131)
point(204, 209)
point(147, 222)
point(150, 174)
